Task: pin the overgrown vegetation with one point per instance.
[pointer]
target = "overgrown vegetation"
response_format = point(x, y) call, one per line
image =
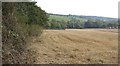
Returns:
point(20, 22)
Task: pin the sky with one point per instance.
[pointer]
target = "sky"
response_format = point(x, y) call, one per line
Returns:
point(105, 8)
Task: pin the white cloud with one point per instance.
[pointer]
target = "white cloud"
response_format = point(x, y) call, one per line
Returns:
point(107, 8)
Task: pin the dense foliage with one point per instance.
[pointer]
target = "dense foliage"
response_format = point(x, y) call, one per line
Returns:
point(20, 22)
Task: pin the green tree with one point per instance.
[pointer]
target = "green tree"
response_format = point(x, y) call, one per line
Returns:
point(20, 21)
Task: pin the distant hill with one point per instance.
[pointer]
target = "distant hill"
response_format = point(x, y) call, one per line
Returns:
point(83, 18)
point(98, 18)
point(59, 21)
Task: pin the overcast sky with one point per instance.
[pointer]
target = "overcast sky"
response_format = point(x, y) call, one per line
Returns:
point(106, 8)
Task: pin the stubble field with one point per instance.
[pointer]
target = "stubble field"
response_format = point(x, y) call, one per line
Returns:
point(76, 46)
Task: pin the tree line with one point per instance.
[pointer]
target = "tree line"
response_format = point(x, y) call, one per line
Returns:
point(78, 24)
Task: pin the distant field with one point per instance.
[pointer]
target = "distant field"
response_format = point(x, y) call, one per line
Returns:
point(59, 18)
point(64, 18)
point(102, 30)
point(77, 46)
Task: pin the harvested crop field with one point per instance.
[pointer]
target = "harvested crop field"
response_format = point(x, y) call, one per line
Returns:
point(76, 46)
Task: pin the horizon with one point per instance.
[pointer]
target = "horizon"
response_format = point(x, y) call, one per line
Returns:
point(102, 8)
point(84, 15)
